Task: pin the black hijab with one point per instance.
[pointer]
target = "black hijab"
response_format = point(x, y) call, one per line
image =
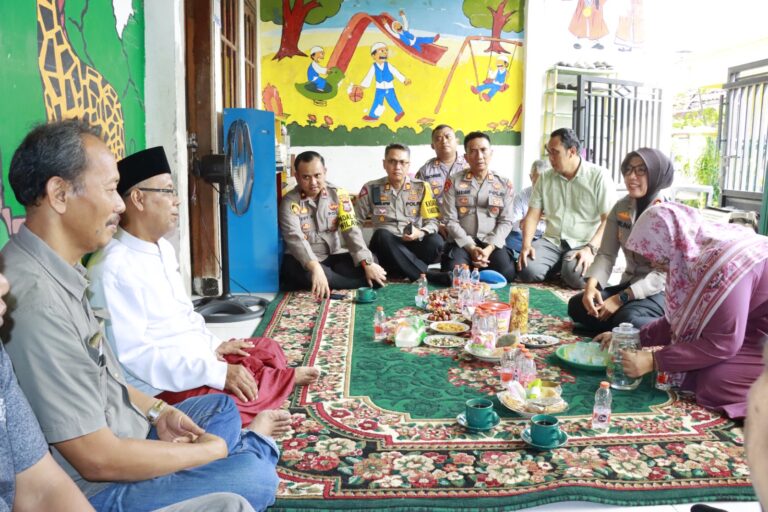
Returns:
point(660, 174)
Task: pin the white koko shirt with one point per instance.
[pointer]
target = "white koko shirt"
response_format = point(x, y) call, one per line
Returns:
point(162, 344)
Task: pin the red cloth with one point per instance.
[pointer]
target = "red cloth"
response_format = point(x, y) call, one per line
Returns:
point(266, 362)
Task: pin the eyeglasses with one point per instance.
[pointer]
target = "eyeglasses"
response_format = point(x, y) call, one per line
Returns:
point(392, 161)
point(169, 191)
point(639, 170)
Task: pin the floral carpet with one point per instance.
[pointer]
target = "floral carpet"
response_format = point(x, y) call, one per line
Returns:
point(379, 430)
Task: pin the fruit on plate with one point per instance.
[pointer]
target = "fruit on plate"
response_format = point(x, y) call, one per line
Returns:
point(439, 314)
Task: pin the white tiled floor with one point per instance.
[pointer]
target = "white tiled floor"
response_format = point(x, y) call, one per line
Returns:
point(576, 506)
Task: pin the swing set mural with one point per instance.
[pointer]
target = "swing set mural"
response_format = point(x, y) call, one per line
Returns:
point(392, 75)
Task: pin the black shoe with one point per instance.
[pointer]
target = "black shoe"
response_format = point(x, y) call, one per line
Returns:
point(439, 278)
point(706, 508)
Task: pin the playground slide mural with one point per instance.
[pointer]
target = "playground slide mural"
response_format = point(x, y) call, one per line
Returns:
point(367, 72)
point(65, 59)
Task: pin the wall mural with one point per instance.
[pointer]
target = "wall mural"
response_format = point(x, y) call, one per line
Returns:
point(65, 59)
point(366, 72)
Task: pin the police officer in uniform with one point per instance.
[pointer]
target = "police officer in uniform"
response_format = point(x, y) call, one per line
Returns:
point(404, 213)
point(477, 210)
point(314, 217)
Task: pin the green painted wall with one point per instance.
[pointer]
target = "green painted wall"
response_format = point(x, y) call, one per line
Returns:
point(92, 35)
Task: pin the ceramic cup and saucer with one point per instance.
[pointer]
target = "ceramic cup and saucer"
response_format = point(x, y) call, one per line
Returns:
point(479, 416)
point(544, 433)
point(365, 295)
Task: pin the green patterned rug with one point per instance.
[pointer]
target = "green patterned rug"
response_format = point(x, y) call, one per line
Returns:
point(379, 431)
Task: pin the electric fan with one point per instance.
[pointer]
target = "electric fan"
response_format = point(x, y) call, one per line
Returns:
point(233, 172)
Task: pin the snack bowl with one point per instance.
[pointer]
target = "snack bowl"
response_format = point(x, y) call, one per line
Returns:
point(529, 408)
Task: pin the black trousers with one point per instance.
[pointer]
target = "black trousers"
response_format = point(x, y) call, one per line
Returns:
point(637, 312)
point(339, 269)
point(405, 259)
point(501, 260)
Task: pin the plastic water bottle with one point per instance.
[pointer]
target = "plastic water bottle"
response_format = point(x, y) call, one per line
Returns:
point(601, 414)
point(456, 276)
point(379, 329)
point(507, 368)
point(422, 295)
point(474, 277)
point(464, 276)
point(527, 370)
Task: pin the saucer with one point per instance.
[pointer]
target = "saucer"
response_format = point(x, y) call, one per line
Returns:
point(526, 436)
point(360, 301)
point(462, 420)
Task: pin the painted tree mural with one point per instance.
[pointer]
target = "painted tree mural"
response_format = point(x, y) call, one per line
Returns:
point(292, 15)
point(498, 15)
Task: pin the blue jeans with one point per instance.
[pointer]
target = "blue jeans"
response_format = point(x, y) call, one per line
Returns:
point(248, 470)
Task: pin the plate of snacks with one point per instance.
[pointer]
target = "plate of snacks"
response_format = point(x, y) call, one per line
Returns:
point(541, 397)
point(438, 314)
point(539, 340)
point(449, 327)
point(444, 341)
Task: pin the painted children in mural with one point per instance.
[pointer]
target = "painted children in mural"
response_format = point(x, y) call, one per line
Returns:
point(588, 23)
point(384, 73)
point(630, 32)
point(496, 80)
point(400, 31)
point(315, 70)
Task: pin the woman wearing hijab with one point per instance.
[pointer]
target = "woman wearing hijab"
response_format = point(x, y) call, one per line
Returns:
point(639, 298)
point(716, 316)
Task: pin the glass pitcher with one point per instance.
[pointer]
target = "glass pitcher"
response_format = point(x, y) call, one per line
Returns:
point(625, 337)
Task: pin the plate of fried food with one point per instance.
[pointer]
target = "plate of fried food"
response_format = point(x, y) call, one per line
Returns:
point(449, 327)
point(539, 340)
point(532, 407)
point(444, 341)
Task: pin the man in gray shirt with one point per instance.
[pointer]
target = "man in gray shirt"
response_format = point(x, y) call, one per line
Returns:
point(121, 446)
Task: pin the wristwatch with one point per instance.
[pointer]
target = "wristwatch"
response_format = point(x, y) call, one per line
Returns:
point(624, 297)
point(366, 261)
point(592, 249)
point(154, 412)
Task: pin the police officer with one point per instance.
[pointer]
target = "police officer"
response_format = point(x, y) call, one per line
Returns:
point(403, 212)
point(314, 216)
point(477, 210)
point(446, 162)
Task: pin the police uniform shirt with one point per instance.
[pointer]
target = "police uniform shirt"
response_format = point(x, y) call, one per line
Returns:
point(474, 209)
point(392, 209)
point(315, 229)
point(435, 173)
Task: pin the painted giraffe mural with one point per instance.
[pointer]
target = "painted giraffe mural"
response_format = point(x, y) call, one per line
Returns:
point(72, 88)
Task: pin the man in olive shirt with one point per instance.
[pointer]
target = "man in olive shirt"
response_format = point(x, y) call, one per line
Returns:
point(403, 213)
point(576, 197)
point(123, 448)
point(315, 217)
point(477, 210)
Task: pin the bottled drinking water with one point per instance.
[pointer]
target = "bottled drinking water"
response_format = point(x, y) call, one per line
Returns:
point(601, 414)
point(379, 327)
point(625, 337)
point(527, 370)
point(507, 368)
point(464, 277)
point(456, 276)
point(474, 277)
point(422, 295)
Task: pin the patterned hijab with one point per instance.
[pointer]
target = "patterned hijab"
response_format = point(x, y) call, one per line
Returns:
point(660, 174)
point(705, 261)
